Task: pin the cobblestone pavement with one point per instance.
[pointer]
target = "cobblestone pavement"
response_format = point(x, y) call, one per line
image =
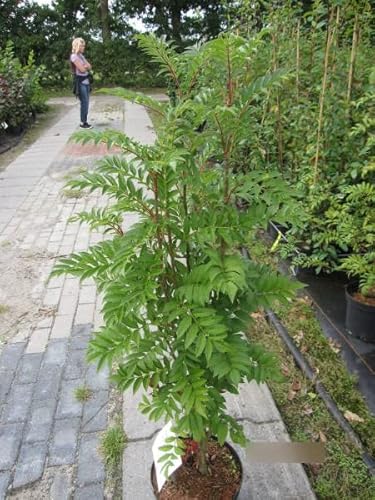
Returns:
point(49, 440)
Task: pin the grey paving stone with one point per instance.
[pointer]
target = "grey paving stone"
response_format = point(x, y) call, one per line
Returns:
point(90, 463)
point(91, 492)
point(28, 369)
point(30, 464)
point(68, 406)
point(18, 403)
point(61, 487)
point(10, 438)
point(7, 190)
point(95, 412)
point(6, 377)
point(84, 329)
point(47, 386)
point(38, 341)
point(55, 355)
point(6, 215)
point(137, 425)
point(137, 463)
point(79, 342)
point(64, 442)
point(246, 405)
point(271, 481)
point(11, 355)
point(4, 482)
point(97, 380)
point(11, 202)
point(76, 365)
point(41, 420)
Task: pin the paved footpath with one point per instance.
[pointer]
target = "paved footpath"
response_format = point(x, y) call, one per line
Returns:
point(49, 440)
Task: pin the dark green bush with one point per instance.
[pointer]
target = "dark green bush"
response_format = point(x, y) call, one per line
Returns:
point(21, 95)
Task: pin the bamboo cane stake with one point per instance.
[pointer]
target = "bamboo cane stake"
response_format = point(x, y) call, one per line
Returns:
point(298, 58)
point(353, 56)
point(335, 42)
point(330, 33)
point(280, 144)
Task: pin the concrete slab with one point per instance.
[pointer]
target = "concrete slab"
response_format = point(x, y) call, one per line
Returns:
point(6, 215)
point(138, 124)
point(271, 481)
point(136, 425)
point(246, 405)
point(136, 480)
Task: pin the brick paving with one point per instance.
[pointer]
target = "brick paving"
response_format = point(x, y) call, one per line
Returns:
point(44, 430)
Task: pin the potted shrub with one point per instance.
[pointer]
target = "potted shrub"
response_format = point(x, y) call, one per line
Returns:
point(177, 292)
point(360, 296)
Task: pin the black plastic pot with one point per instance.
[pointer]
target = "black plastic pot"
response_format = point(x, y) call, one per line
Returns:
point(234, 455)
point(360, 317)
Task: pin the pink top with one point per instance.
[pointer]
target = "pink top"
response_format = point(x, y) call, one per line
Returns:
point(77, 57)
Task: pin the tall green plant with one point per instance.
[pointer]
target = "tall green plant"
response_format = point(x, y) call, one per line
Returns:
point(178, 293)
point(305, 130)
point(20, 91)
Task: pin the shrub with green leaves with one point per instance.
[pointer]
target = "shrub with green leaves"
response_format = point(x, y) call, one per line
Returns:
point(20, 91)
point(318, 128)
point(177, 291)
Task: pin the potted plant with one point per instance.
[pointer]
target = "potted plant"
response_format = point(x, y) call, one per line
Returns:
point(177, 292)
point(360, 296)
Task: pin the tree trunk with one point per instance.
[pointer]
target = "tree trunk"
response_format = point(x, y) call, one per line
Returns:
point(176, 22)
point(202, 457)
point(104, 16)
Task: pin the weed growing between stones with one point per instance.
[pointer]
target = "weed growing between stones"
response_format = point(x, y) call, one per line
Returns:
point(112, 446)
point(3, 308)
point(82, 394)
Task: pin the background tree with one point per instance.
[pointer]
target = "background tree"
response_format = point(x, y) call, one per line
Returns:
point(180, 20)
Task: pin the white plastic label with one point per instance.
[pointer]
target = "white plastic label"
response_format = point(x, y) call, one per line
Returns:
point(160, 440)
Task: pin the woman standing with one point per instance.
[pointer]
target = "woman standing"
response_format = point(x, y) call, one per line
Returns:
point(81, 68)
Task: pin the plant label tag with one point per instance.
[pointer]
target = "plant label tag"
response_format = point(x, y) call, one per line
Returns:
point(160, 440)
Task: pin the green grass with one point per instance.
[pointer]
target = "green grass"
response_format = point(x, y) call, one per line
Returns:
point(343, 475)
point(74, 172)
point(83, 394)
point(73, 193)
point(3, 308)
point(112, 446)
point(67, 92)
point(299, 318)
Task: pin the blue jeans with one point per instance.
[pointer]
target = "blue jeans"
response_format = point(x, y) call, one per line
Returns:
point(84, 93)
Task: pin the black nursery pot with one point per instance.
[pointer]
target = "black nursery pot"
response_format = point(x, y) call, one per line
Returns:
point(232, 452)
point(360, 317)
point(274, 229)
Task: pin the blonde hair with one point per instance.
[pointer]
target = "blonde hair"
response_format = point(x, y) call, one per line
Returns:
point(75, 45)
